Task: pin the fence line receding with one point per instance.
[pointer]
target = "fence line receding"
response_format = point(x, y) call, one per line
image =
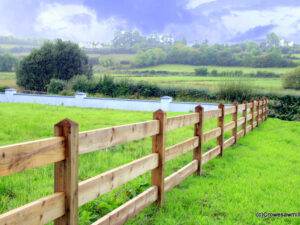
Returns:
point(64, 149)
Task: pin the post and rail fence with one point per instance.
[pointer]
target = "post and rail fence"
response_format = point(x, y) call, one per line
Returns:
point(64, 149)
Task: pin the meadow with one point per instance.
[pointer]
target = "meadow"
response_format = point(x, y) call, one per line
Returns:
point(8, 79)
point(191, 69)
point(231, 191)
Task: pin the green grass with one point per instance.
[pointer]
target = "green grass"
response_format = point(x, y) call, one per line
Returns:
point(8, 79)
point(259, 174)
point(210, 83)
point(191, 69)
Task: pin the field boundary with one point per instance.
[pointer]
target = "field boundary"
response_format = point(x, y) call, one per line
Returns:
point(64, 149)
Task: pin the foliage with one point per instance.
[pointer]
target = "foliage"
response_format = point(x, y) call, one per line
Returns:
point(235, 90)
point(56, 86)
point(59, 59)
point(201, 71)
point(285, 107)
point(150, 57)
point(7, 63)
point(292, 79)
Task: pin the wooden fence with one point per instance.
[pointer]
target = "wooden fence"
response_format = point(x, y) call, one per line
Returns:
point(64, 149)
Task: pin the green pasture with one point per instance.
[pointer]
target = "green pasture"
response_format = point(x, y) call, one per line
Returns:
point(259, 174)
point(191, 69)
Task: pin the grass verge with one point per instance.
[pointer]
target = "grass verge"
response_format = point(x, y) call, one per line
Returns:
point(259, 174)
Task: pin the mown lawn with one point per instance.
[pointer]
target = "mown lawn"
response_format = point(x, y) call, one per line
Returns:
point(261, 173)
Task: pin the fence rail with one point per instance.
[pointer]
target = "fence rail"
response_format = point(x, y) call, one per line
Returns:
point(64, 150)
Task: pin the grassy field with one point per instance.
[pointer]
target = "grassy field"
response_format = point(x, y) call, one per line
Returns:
point(191, 69)
point(7, 79)
point(259, 174)
point(273, 85)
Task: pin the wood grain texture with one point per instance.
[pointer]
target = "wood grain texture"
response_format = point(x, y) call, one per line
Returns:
point(220, 138)
point(181, 148)
point(19, 157)
point(212, 153)
point(240, 121)
point(229, 110)
point(229, 126)
point(107, 137)
point(240, 134)
point(211, 134)
point(245, 118)
point(230, 141)
point(177, 177)
point(235, 120)
point(212, 114)
point(158, 146)
point(66, 172)
point(182, 121)
point(198, 133)
point(129, 209)
point(94, 187)
point(41, 211)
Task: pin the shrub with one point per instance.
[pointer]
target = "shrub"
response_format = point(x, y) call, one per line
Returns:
point(59, 59)
point(266, 74)
point(285, 107)
point(80, 83)
point(235, 90)
point(201, 71)
point(56, 86)
point(292, 79)
point(214, 72)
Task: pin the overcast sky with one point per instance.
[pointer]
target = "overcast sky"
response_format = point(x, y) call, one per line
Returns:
point(97, 20)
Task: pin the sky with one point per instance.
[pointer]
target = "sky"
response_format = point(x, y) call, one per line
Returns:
point(218, 21)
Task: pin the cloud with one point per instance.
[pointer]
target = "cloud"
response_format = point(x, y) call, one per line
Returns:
point(75, 22)
point(192, 4)
point(283, 19)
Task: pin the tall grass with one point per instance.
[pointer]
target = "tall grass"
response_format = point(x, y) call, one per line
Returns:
point(236, 90)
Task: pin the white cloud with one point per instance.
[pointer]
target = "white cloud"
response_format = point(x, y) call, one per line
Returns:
point(192, 4)
point(285, 19)
point(75, 22)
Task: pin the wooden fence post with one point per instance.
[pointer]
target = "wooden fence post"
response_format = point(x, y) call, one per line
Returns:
point(235, 119)
point(257, 111)
point(220, 140)
point(267, 108)
point(245, 115)
point(264, 109)
point(198, 131)
point(252, 114)
point(158, 146)
point(66, 172)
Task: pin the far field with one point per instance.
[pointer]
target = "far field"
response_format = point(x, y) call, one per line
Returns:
point(191, 69)
point(211, 83)
point(259, 174)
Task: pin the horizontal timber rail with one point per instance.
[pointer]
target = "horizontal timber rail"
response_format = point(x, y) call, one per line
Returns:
point(64, 149)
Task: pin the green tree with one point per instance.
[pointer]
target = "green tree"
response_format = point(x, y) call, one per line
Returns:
point(150, 57)
point(7, 63)
point(58, 59)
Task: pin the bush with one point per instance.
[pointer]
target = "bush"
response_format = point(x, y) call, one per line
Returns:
point(56, 86)
point(235, 90)
point(59, 59)
point(285, 107)
point(201, 71)
point(80, 83)
point(2, 88)
point(214, 72)
point(292, 79)
point(266, 74)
